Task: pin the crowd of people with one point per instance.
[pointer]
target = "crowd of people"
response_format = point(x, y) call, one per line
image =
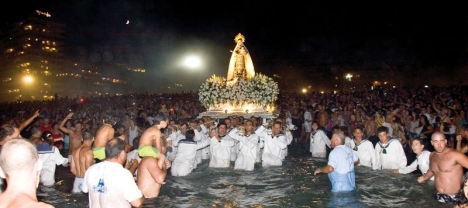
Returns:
point(140, 138)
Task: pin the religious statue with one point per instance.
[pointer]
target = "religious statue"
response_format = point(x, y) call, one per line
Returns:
point(242, 93)
point(241, 65)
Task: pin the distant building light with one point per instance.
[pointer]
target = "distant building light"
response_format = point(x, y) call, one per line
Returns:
point(43, 13)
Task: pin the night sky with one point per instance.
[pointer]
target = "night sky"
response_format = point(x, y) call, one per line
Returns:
point(297, 35)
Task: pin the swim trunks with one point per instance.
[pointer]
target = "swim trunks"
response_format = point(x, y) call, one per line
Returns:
point(77, 186)
point(458, 198)
point(148, 151)
point(99, 153)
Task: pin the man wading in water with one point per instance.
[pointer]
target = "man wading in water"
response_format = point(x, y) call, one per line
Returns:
point(446, 165)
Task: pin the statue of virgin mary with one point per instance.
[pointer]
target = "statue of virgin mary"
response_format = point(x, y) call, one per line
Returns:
point(240, 65)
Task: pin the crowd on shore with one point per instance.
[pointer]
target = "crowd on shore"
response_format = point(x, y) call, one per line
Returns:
point(405, 117)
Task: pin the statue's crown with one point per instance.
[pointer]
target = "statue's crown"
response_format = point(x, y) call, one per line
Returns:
point(239, 37)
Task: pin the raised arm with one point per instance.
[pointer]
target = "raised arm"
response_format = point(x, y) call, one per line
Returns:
point(62, 124)
point(28, 121)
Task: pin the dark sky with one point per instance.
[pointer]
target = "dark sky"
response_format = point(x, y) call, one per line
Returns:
point(296, 35)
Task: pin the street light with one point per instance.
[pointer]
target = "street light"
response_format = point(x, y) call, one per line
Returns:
point(27, 79)
point(192, 62)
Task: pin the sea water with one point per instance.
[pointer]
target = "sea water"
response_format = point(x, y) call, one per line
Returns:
point(291, 185)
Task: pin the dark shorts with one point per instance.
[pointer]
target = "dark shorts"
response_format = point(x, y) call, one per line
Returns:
point(458, 198)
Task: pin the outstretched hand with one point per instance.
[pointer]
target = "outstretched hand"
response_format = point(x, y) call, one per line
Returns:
point(36, 114)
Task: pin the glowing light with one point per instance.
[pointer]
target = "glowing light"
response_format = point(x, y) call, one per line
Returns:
point(28, 79)
point(128, 22)
point(304, 90)
point(426, 86)
point(43, 13)
point(349, 76)
point(192, 62)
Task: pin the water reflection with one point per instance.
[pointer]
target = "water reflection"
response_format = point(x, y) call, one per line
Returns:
point(292, 185)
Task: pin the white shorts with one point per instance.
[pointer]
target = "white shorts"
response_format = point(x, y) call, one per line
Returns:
point(77, 185)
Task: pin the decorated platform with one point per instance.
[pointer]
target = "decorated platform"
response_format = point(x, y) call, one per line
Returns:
point(242, 93)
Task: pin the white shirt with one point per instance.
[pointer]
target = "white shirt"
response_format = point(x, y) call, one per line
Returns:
point(50, 157)
point(110, 185)
point(273, 147)
point(366, 154)
point(422, 160)
point(221, 152)
point(394, 158)
point(248, 145)
point(342, 159)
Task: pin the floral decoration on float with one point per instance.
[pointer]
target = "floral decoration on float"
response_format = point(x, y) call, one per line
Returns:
point(240, 95)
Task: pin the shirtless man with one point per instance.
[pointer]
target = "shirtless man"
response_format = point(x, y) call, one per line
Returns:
point(21, 166)
point(151, 139)
point(103, 134)
point(370, 128)
point(322, 117)
point(446, 165)
point(75, 135)
point(151, 176)
point(82, 159)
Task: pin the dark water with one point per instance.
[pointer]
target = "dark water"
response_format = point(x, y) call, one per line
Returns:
point(291, 185)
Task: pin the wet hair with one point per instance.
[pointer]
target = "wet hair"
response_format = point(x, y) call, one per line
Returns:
point(6, 130)
point(382, 129)
point(160, 117)
point(189, 134)
point(114, 147)
point(87, 136)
